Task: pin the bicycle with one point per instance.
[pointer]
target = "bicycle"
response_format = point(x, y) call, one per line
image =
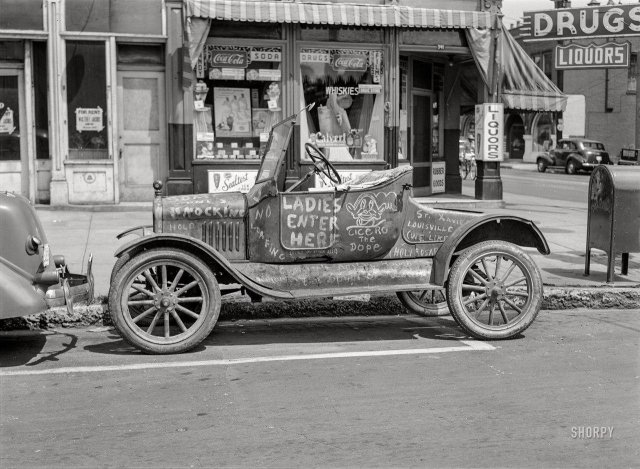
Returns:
point(468, 166)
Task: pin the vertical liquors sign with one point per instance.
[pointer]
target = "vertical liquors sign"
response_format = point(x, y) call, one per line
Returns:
point(490, 132)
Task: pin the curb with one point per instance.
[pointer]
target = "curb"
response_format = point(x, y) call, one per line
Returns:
point(240, 308)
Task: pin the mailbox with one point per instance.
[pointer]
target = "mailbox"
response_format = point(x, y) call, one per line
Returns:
point(613, 223)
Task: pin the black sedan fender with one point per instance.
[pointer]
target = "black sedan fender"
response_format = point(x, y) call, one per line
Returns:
point(512, 229)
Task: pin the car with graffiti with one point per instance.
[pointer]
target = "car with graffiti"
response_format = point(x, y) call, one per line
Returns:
point(573, 155)
point(366, 236)
point(32, 279)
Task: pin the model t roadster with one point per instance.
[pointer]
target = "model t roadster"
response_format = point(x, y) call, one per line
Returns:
point(366, 236)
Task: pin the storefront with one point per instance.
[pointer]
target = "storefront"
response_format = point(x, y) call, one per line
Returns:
point(106, 97)
point(82, 93)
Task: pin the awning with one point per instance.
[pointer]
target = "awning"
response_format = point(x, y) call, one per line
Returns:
point(522, 84)
point(199, 14)
point(336, 13)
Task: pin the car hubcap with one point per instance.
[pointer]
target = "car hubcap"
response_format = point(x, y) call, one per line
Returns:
point(496, 290)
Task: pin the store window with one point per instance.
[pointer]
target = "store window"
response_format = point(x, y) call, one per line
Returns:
point(9, 118)
point(87, 101)
point(21, 14)
point(346, 86)
point(41, 104)
point(237, 98)
point(114, 16)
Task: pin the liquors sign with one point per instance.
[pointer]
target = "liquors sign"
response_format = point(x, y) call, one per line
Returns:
point(490, 132)
point(573, 23)
point(610, 55)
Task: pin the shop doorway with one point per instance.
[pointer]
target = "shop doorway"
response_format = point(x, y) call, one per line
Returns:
point(14, 158)
point(515, 138)
point(141, 133)
point(421, 108)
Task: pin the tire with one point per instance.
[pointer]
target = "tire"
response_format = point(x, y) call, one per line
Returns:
point(571, 168)
point(153, 316)
point(489, 306)
point(427, 303)
point(542, 166)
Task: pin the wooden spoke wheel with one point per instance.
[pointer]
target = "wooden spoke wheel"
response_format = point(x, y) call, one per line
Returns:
point(425, 302)
point(494, 290)
point(164, 301)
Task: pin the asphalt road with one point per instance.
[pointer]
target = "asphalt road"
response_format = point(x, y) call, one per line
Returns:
point(553, 184)
point(392, 392)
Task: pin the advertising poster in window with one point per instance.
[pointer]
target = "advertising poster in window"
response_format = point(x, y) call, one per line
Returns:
point(232, 111)
point(346, 86)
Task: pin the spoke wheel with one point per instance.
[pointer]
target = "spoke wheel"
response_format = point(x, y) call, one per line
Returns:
point(164, 301)
point(425, 302)
point(542, 166)
point(494, 290)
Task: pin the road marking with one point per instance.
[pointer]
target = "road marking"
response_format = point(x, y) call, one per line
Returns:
point(470, 346)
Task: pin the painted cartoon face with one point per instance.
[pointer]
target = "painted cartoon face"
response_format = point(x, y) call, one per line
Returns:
point(368, 209)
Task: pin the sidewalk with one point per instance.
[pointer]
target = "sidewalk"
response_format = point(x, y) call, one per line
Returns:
point(76, 232)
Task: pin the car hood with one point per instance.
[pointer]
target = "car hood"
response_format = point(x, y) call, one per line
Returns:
point(220, 205)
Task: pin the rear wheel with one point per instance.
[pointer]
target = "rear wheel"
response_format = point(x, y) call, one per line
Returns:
point(542, 166)
point(164, 301)
point(425, 302)
point(572, 167)
point(494, 290)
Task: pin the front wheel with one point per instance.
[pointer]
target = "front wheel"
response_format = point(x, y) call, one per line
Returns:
point(164, 301)
point(494, 290)
point(542, 166)
point(572, 167)
point(426, 303)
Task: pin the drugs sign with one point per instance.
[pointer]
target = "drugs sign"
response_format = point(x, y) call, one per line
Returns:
point(610, 55)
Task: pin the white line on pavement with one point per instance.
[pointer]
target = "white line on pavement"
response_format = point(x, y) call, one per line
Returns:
point(470, 345)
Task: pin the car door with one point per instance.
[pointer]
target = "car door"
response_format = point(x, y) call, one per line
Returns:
point(561, 152)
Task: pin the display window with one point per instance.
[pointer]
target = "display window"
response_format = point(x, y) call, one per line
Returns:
point(237, 98)
point(347, 87)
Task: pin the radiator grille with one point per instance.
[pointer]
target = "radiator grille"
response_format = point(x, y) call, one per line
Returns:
point(224, 236)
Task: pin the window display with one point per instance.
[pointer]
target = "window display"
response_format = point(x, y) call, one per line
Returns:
point(347, 87)
point(236, 100)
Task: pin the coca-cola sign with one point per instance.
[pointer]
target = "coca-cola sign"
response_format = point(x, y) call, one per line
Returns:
point(229, 59)
point(349, 62)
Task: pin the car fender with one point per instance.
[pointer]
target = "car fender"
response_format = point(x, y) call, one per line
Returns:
point(18, 295)
point(546, 157)
point(203, 251)
point(510, 228)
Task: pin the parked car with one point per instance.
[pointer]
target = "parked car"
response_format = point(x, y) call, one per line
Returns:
point(32, 279)
point(629, 156)
point(368, 236)
point(573, 155)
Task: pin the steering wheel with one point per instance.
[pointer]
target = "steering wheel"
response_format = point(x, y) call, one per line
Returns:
point(322, 163)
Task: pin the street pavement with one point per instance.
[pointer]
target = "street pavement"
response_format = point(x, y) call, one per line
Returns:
point(392, 391)
point(78, 231)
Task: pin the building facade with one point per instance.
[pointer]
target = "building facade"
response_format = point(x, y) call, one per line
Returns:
point(99, 99)
point(602, 102)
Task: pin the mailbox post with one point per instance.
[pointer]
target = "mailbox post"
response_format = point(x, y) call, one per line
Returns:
point(613, 223)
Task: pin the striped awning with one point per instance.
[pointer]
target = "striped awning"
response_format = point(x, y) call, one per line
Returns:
point(348, 14)
point(523, 85)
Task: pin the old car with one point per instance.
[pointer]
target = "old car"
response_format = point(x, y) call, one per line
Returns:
point(368, 236)
point(629, 157)
point(32, 279)
point(573, 155)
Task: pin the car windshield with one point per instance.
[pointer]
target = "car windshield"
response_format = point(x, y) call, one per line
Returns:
point(276, 147)
point(593, 145)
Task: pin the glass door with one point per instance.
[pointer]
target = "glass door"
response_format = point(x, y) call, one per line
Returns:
point(13, 154)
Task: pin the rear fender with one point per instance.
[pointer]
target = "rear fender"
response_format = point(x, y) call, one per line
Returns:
point(18, 296)
point(513, 229)
point(220, 265)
